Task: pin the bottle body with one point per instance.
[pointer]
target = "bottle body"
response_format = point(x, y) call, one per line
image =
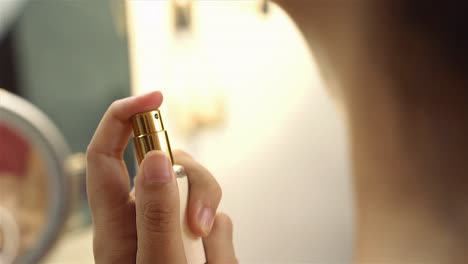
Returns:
point(193, 246)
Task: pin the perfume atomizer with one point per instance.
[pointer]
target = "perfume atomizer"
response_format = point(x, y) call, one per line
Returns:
point(149, 134)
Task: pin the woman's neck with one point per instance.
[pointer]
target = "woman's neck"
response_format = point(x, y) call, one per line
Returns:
point(409, 129)
point(411, 175)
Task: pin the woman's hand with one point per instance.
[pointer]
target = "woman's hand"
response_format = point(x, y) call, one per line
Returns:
point(145, 227)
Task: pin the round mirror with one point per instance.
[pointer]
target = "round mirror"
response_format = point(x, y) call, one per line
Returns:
point(34, 185)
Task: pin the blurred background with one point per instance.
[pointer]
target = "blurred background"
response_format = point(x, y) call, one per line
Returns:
point(243, 95)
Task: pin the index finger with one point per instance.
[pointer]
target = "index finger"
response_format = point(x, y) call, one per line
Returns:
point(108, 183)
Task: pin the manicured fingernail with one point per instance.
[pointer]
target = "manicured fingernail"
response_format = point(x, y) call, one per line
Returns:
point(157, 168)
point(205, 219)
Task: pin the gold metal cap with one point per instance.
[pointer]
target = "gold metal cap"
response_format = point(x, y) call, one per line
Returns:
point(149, 134)
point(147, 123)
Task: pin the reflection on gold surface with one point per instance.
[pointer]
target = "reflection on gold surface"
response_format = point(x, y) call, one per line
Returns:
point(149, 134)
point(23, 191)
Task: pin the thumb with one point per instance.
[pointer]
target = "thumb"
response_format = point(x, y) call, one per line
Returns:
point(157, 212)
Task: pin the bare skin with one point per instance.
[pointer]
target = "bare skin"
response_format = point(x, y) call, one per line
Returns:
point(408, 133)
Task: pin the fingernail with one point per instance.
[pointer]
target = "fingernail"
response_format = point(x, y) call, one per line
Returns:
point(157, 168)
point(205, 219)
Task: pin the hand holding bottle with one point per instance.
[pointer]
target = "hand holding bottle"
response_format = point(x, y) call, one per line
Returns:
point(146, 228)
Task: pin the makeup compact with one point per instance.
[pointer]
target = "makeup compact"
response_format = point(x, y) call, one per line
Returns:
point(35, 187)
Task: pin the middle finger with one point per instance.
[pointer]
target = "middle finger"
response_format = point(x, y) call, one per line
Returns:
point(204, 194)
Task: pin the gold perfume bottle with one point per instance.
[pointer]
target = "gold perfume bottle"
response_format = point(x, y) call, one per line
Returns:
point(149, 134)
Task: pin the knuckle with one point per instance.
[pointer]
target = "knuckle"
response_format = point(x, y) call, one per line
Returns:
point(113, 105)
point(94, 154)
point(213, 189)
point(217, 192)
point(89, 153)
point(223, 220)
point(158, 218)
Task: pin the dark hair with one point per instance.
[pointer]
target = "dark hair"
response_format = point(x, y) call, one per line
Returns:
point(443, 23)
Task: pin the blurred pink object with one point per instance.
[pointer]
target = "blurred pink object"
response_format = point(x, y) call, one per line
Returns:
point(14, 151)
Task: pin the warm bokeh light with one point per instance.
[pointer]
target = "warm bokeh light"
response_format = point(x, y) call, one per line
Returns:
point(278, 118)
